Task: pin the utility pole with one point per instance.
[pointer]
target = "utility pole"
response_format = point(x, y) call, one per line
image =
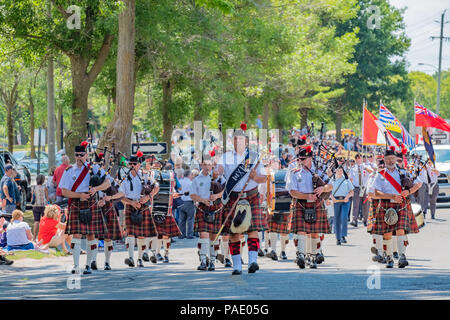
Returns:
point(441, 37)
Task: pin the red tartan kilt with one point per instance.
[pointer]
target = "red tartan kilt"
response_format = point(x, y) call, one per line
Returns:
point(298, 224)
point(111, 218)
point(370, 218)
point(283, 227)
point(168, 228)
point(406, 219)
point(258, 222)
point(74, 226)
point(145, 229)
point(200, 225)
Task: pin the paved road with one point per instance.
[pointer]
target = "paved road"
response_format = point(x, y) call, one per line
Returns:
point(342, 276)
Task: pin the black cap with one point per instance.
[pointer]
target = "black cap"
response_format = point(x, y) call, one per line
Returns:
point(390, 152)
point(8, 167)
point(133, 159)
point(305, 152)
point(80, 149)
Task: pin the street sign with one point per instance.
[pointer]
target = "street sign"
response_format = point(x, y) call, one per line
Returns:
point(440, 136)
point(36, 137)
point(150, 148)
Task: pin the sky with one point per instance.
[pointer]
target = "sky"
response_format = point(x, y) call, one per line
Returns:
point(419, 18)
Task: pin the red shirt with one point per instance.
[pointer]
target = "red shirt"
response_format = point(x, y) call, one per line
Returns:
point(57, 177)
point(47, 229)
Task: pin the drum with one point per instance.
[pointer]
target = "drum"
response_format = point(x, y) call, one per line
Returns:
point(418, 214)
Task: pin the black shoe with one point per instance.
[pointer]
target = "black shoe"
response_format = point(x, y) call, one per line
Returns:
point(107, 266)
point(172, 240)
point(260, 253)
point(338, 242)
point(354, 223)
point(145, 257)
point(301, 261)
point(159, 257)
point(265, 251)
point(87, 270)
point(253, 267)
point(211, 267)
point(374, 250)
point(207, 261)
point(402, 262)
point(432, 217)
point(202, 267)
point(75, 270)
point(389, 262)
point(313, 264)
point(221, 258)
point(153, 259)
point(377, 258)
point(236, 272)
point(166, 259)
point(140, 263)
point(228, 263)
point(4, 261)
point(343, 240)
point(396, 255)
point(320, 258)
point(283, 255)
point(273, 255)
point(365, 224)
point(129, 262)
point(384, 258)
point(94, 265)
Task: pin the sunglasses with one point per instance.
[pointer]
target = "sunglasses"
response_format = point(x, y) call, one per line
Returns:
point(79, 154)
point(133, 163)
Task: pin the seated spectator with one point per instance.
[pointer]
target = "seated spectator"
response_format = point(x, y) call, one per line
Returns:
point(3, 226)
point(3, 260)
point(51, 230)
point(18, 233)
point(40, 198)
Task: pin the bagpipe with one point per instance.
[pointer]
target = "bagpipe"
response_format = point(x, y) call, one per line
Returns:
point(96, 178)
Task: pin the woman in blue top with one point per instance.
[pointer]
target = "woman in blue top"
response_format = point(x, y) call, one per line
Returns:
point(342, 192)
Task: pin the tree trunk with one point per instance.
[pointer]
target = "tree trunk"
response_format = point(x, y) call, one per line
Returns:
point(338, 125)
point(59, 123)
point(247, 113)
point(303, 117)
point(266, 115)
point(119, 130)
point(10, 127)
point(51, 113)
point(9, 99)
point(21, 129)
point(167, 123)
point(198, 114)
point(31, 109)
point(276, 114)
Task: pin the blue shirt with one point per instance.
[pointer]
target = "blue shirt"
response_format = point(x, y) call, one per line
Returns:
point(301, 181)
point(383, 185)
point(344, 188)
point(71, 175)
point(13, 190)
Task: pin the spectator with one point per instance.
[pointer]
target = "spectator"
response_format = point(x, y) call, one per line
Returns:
point(342, 192)
point(18, 233)
point(3, 225)
point(259, 123)
point(51, 230)
point(58, 175)
point(283, 160)
point(3, 260)
point(50, 186)
point(40, 199)
point(9, 190)
point(187, 210)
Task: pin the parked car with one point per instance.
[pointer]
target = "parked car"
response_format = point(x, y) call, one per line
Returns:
point(24, 157)
point(442, 152)
point(23, 178)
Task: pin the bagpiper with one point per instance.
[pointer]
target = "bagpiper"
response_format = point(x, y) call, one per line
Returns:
point(85, 216)
point(309, 213)
point(206, 193)
point(243, 172)
point(392, 210)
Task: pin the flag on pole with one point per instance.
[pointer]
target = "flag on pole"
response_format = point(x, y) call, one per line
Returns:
point(427, 118)
point(406, 138)
point(392, 141)
point(428, 145)
point(372, 136)
point(389, 121)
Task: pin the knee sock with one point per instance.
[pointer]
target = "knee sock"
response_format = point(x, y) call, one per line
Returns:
point(108, 250)
point(158, 245)
point(141, 247)
point(253, 246)
point(130, 246)
point(213, 248)
point(308, 245)
point(242, 243)
point(284, 239)
point(235, 250)
point(378, 241)
point(154, 244)
point(402, 242)
point(226, 249)
point(301, 243)
point(204, 247)
point(295, 238)
point(260, 236)
point(266, 240)
point(394, 244)
point(315, 245)
point(76, 251)
point(91, 245)
point(166, 244)
point(95, 251)
point(387, 246)
point(273, 241)
point(147, 244)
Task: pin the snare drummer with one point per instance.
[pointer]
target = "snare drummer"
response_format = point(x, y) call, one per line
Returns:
point(392, 201)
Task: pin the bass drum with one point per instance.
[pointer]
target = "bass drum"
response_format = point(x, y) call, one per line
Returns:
point(418, 214)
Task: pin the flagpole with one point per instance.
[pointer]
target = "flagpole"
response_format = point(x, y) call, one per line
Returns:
point(362, 124)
